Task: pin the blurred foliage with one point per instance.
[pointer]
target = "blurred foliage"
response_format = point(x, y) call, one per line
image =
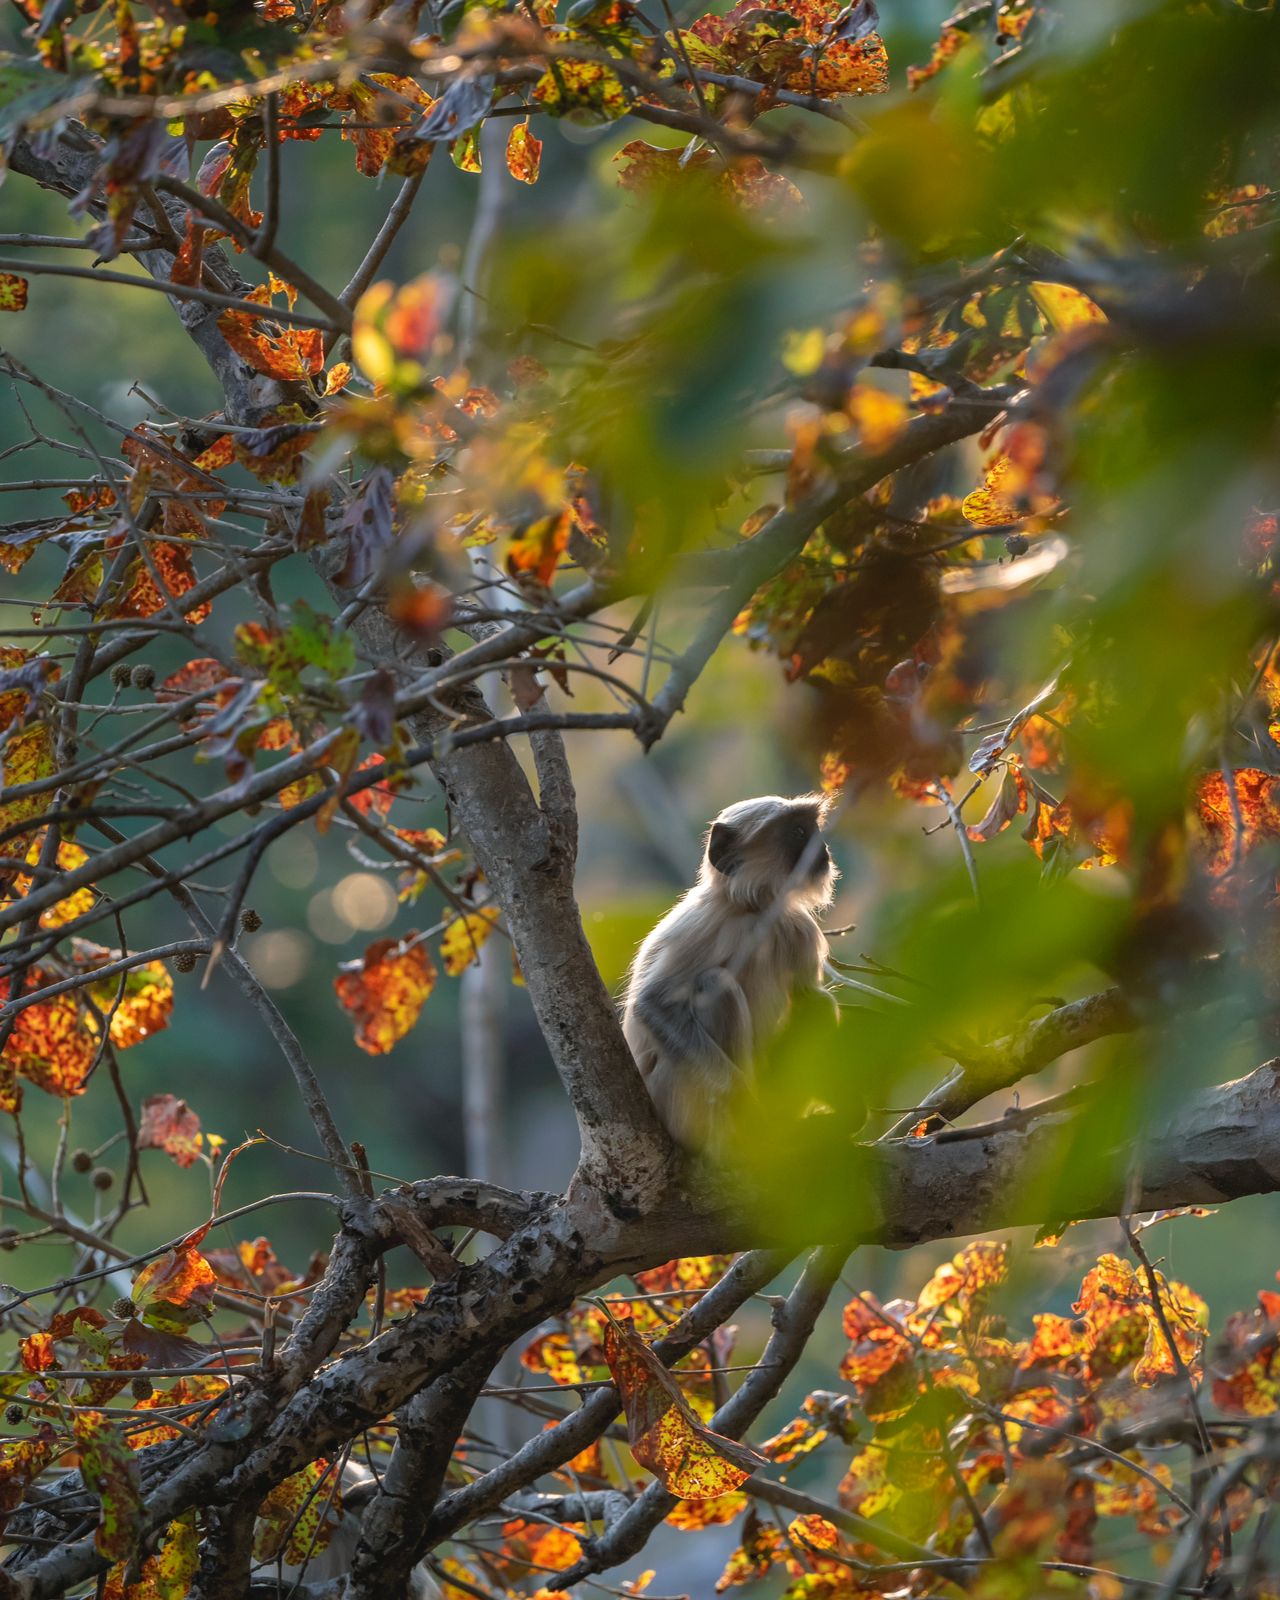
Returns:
point(1053, 648)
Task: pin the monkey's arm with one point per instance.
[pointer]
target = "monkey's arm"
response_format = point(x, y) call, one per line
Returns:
point(709, 1025)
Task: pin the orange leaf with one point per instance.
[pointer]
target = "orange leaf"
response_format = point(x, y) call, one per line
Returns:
point(298, 1517)
point(110, 1469)
point(684, 1279)
point(385, 990)
point(54, 1043)
point(690, 1516)
point(177, 1288)
point(145, 1007)
point(28, 757)
point(289, 353)
point(1256, 801)
point(538, 549)
point(814, 1531)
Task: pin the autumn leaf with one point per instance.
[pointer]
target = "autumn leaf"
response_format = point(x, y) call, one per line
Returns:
point(169, 1124)
point(1117, 1308)
point(800, 1436)
point(110, 1470)
point(465, 151)
point(684, 1280)
point(796, 48)
point(536, 551)
point(69, 856)
point(176, 1289)
point(687, 1458)
point(167, 1574)
point(141, 596)
point(964, 1280)
point(385, 990)
point(289, 353)
point(1234, 821)
point(464, 936)
point(645, 167)
point(763, 1545)
point(28, 757)
point(814, 1531)
point(537, 1546)
point(1246, 1362)
point(395, 330)
point(299, 1516)
point(1065, 307)
point(1015, 484)
point(690, 1516)
point(145, 1006)
point(524, 153)
point(421, 607)
point(585, 91)
point(13, 292)
point(21, 1463)
point(54, 1042)
point(878, 416)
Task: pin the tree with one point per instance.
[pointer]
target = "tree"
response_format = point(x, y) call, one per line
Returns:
point(738, 406)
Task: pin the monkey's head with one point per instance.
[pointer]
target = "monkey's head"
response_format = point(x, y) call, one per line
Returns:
point(758, 850)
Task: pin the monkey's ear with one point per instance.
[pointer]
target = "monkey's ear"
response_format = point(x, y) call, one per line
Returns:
point(720, 847)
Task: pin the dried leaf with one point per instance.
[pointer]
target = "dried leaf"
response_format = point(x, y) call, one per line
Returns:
point(170, 1125)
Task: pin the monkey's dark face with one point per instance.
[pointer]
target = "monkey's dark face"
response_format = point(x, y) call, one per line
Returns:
point(760, 849)
point(800, 842)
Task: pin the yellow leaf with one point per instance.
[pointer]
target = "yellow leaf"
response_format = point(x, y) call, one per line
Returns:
point(878, 416)
point(803, 350)
point(463, 937)
point(1065, 307)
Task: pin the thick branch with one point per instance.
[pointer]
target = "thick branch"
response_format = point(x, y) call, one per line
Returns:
point(1034, 1046)
point(427, 1430)
point(1222, 1144)
point(554, 1446)
point(530, 875)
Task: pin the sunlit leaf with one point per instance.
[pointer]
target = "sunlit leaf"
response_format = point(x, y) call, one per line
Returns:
point(385, 990)
point(524, 153)
point(463, 937)
point(687, 1458)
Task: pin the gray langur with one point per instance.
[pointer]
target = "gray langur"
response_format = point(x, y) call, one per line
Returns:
point(713, 981)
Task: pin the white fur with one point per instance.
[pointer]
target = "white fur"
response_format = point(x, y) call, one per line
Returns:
point(750, 938)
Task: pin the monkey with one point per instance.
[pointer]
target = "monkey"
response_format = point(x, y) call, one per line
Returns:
point(712, 983)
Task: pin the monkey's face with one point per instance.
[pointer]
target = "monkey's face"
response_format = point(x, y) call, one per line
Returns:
point(758, 850)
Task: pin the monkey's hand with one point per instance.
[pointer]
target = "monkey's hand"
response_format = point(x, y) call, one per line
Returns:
point(722, 1011)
